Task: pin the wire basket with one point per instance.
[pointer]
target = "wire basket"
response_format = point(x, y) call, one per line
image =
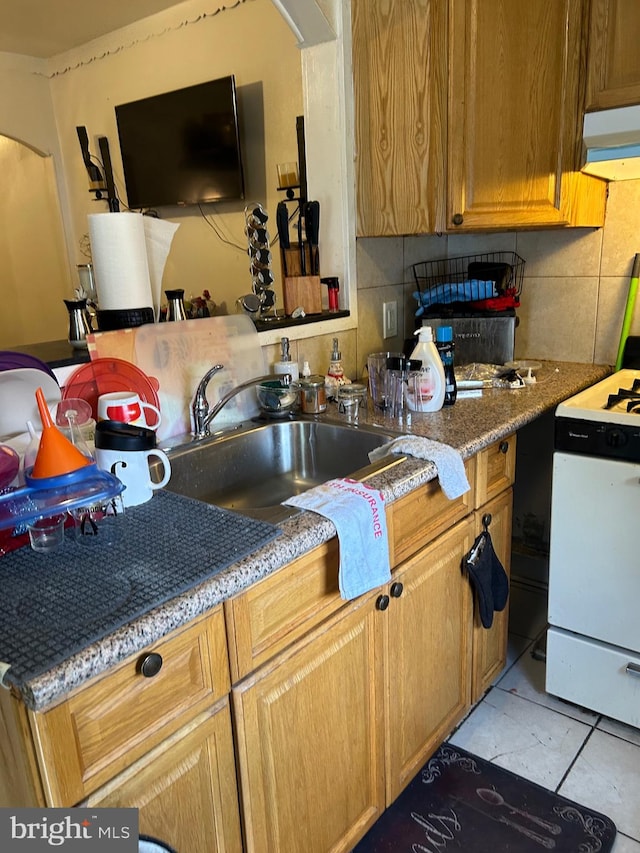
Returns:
point(488, 282)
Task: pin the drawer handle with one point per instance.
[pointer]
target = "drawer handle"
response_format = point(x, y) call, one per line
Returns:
point(150, 665)
point(503, 447)
point(382, 602)
point(396, 589)
point(633, 669)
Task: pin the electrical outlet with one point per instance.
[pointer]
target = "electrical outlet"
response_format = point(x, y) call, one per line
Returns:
point(389, 319)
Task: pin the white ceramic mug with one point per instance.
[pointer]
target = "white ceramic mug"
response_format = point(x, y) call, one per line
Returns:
point(126, 407)
point(132, 469)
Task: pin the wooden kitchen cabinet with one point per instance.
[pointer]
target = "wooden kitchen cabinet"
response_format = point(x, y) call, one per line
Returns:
point(495, 475)
point(310, 737)
point(332, 729)
point(613, 67)
point(153, 732)
point(495, 469)
point(428, 654)
point(468, 116)
point(490, 644)
point(400, 72)
point(515, 116)
point(185, 789)
point(100, 730)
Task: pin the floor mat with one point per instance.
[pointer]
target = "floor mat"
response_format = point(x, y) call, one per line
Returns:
point(461, 802)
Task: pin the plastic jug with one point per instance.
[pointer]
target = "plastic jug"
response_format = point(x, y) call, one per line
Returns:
point(428, 393)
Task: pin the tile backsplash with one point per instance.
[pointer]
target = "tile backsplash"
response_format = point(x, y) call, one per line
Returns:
point(575, 285)
point(576, 282)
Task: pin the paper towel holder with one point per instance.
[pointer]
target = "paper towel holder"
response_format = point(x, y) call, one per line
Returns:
point(124, 318)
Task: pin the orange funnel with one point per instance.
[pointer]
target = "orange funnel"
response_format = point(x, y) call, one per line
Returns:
point(56, 454)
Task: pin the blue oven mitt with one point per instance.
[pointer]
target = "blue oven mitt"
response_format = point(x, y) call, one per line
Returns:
point(488, 578)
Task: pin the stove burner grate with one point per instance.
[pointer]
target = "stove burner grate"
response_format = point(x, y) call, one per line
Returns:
point(630, 395)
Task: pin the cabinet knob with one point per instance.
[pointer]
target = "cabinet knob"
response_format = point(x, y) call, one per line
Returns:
point(457, 219)
point(150, 664)
point(382, 602)
point(396, 589)
point(503, 447)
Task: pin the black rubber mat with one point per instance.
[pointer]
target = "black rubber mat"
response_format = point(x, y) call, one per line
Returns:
point(56, 604)
point(461, 802)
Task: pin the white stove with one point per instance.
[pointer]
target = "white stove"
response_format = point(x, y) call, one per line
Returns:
point(614, 400)
point(593, 642)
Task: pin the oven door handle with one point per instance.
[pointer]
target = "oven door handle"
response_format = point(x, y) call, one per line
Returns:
point(633, 669)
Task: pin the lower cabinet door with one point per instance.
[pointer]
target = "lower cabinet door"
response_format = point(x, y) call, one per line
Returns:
point(428, 653)
point(309, 729)
point(490, 644)
point(185, 789)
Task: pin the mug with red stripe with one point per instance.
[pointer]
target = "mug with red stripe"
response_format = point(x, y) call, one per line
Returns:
point(127, 408)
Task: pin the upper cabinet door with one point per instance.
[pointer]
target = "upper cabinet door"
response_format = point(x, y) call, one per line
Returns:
point(614, 59)
point(514, 113)
point(400, 72)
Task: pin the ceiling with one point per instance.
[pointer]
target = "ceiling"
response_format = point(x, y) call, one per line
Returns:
point(44, 28)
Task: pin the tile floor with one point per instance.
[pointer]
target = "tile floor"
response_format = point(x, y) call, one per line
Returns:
point(582, 755)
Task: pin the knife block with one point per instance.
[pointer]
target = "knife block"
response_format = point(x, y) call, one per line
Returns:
point(302, 291)
point(290, 258)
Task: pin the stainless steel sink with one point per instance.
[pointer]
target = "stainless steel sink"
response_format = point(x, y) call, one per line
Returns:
point(255, 468)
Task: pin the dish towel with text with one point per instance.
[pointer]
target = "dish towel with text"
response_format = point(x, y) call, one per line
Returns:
point(448, 461)
point(357, 512)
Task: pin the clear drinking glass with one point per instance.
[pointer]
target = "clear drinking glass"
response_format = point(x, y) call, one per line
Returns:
point(47, 534)
point(377, 369)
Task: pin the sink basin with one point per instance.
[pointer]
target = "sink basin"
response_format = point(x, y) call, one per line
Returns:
point(256, 468)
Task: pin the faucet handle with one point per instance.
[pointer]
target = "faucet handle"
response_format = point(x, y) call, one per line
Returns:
point(200, 404)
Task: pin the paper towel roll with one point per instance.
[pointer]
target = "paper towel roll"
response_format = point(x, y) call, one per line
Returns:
point(119, 254)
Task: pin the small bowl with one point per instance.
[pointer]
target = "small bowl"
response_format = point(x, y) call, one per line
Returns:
point(276, 398)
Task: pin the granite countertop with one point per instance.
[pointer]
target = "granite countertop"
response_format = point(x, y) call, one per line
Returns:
point(472, 424)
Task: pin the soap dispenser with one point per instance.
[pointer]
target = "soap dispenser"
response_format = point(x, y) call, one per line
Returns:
point(286, 365)
point(336, 370)
point(428, 394)
point(335, 374)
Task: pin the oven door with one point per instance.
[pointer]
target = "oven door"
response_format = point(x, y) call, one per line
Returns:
point(594, 560)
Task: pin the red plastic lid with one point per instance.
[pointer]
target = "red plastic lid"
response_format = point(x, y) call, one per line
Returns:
point(105, 375)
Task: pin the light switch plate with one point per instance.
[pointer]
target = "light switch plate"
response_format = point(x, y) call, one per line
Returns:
point(389, 319)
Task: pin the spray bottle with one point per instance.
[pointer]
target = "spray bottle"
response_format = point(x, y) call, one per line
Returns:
point(429, 392)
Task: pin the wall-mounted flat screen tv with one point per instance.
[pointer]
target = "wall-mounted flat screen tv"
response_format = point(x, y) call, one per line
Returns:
point(182, 147)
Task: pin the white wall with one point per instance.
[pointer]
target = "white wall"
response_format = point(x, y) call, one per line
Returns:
point(170, 50)
point(34, 275)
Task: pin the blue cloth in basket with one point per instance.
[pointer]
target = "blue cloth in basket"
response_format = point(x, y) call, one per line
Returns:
point(472, 290)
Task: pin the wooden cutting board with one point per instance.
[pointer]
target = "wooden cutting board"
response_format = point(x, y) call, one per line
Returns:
point(179, 354)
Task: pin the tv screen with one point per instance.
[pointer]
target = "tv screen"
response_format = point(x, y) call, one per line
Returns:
point(182, 147)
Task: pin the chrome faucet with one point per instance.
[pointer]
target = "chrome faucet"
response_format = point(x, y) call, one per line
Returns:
point(202, 414)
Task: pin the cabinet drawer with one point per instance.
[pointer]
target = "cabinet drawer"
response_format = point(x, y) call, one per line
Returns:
point(495, 469)
point(281, 608)
point(425, 513)
point(104, 727)
point(594, 675)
